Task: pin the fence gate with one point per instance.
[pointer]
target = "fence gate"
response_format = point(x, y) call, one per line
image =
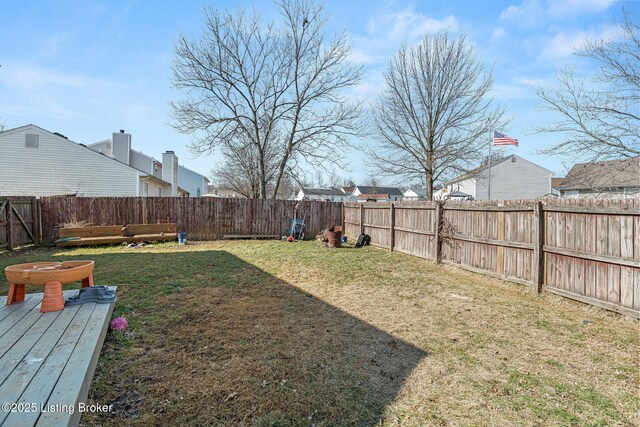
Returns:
point(18, 221)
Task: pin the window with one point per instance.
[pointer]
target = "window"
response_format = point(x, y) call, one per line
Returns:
point(145, 189)
point(198, 192)
point(513, 159)
point(31, 140)
point(159, 191)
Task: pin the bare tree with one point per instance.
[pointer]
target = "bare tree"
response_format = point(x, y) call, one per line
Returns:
point(600, 116)
point(276, 89)
point(433, 118)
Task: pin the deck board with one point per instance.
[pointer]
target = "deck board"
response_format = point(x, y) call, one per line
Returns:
point(20, 310)
point(11, 308)
point(51, 358)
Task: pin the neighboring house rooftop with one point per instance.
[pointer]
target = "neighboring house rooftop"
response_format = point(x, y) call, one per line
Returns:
point(460, 194)
point(376, 191)
point(602, 175)
point(555, 182)
point(474, 172)
point(323, 191)
point(419, 191)
point(349, 189)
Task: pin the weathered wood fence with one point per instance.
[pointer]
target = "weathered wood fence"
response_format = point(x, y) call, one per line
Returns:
point(587, 250)
point(203, 218)
point(19, 221)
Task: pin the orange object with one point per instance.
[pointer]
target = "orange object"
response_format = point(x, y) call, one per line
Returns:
point(51, 275)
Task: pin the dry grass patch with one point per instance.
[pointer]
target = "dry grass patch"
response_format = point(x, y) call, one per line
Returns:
point(272, 333)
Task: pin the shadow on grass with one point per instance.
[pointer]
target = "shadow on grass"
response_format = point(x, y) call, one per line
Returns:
point(215, 340)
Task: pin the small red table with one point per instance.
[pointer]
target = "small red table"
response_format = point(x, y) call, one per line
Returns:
point(51, 275)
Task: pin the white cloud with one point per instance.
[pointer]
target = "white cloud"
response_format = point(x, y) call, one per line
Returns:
point(506, 92)
point(385, 33)
point(525, 12)
point(565, 43)
point(370, 86)
point(33, 76)
point(529, 11)
point(574, 7)
point(498, 33)
point(30, 76)
point(412, 25)
point(50, 46)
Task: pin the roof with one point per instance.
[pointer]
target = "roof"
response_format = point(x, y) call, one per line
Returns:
point(602, 175)
point(472, 173)
point(154, 178)
point(555, 182)
point(323, 191)
point(370, 190)
point(349, 189)
point(459, 194)
point(420, 191)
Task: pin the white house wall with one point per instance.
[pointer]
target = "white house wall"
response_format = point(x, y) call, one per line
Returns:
point(58, 167)
point(467, 186)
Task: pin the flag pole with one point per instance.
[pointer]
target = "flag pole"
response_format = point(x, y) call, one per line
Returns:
point(490, 143)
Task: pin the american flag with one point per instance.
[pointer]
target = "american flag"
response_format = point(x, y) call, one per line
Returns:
point(502, 139)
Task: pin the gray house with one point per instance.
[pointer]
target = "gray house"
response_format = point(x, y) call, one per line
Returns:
point(614, 178)
point(188, 182)
point(511, 178)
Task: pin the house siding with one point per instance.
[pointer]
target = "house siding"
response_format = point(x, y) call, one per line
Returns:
point(153, 188)
point(509, 180)
point(141, 162)
point(58, 167)
point(192, 181)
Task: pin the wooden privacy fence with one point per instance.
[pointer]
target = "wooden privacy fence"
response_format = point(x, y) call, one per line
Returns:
point(203, 218)
point(19, 221)
point(587, 250)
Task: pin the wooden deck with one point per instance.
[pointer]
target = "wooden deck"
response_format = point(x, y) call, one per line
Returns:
point(47, 360)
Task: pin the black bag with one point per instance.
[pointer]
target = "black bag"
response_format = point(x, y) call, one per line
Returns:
point(363, 239)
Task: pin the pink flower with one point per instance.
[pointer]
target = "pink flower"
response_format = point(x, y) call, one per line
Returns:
point(119, 324)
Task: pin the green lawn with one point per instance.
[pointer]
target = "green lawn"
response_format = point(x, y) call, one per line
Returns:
point(288, 334)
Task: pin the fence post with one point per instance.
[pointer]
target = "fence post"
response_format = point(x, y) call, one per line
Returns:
point(538, 250)
point(34, 220)
point(438, 228)
point(344, 226)
point(9, 225)
point(40, 228)
point(362, 218)
point(392, 233)
point(500, 249)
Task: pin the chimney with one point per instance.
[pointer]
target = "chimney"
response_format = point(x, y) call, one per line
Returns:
point(122, 146)
point(170, 171)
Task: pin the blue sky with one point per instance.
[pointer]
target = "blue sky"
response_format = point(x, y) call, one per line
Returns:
point(89, 68)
